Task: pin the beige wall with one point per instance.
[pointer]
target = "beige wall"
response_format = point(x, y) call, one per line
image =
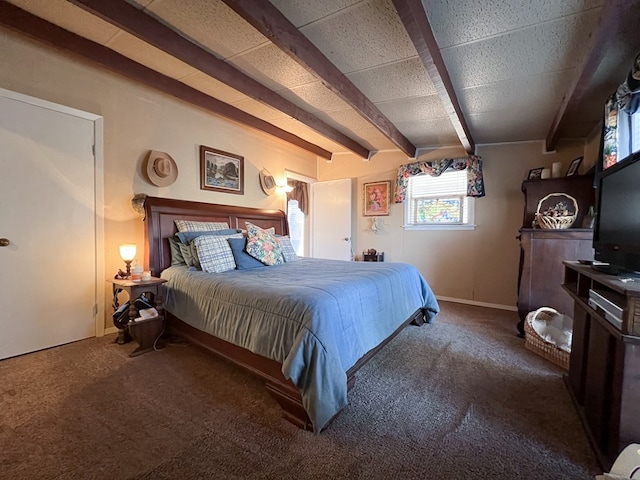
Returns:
point(138, 119)
point(479, 266)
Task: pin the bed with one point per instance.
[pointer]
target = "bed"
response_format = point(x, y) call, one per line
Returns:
point(304, 327)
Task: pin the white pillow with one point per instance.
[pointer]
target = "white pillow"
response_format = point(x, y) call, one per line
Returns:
point(192, 226)
point(214, 253)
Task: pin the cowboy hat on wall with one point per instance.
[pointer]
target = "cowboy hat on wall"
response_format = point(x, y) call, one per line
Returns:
point(161, 169)
point(267, 182)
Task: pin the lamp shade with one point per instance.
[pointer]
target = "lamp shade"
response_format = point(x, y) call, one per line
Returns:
point(128, 251)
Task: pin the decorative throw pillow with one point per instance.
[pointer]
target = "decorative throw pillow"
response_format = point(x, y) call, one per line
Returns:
point(271, 230)
point(186, 237)
point(244, 261)
point(263, 245)
point(193, 226)
point(214, 254)
point(288, 252)
point(188, 254)
point(195, 259)
point(176, 255)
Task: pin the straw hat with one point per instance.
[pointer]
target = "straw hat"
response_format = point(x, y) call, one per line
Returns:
point(267, 182)
point(161, 168)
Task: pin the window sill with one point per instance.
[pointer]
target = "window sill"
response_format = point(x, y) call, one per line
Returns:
point(438, 227)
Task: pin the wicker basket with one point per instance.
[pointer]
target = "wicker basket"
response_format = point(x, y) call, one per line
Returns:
point(556, 222)
point(539, 345)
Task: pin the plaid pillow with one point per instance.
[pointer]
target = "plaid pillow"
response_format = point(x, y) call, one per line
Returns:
point(288, 252)
point(191, 226)
point(214, 254)
point(186, 237)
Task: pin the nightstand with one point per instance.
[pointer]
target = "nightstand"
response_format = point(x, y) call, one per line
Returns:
point(147, 331)
point(373, 257)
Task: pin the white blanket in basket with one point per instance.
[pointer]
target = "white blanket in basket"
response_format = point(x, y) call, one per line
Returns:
point(553, 327)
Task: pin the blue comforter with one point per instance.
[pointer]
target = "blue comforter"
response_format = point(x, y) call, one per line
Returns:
point(316, 317)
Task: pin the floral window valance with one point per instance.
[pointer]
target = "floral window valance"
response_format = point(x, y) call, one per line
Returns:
point(472, 163)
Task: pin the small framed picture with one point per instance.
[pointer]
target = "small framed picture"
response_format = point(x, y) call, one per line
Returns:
point(376, 198)
point(535, 173)
point(573, 168)
point(221, 171)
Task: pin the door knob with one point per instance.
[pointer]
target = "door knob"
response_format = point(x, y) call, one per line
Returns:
point(4, 242)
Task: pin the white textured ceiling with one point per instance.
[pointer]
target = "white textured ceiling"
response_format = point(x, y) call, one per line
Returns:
point(511, 63)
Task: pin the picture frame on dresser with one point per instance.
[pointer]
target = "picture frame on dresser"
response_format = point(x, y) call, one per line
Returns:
point(573, 168)
point(535, 173)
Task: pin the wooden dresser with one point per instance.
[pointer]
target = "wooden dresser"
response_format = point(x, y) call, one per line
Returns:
point(542, 251)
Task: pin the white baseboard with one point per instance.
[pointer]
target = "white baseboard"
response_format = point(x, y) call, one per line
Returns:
point(110, 330)
point(478, 304)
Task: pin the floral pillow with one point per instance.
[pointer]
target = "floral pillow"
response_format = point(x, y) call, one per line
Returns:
point(263, 245)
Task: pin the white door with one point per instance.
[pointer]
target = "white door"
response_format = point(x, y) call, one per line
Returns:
point(331, 220)
point(48, 281)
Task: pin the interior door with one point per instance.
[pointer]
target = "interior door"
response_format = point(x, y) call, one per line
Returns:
point(331, 220)
point(48, 285)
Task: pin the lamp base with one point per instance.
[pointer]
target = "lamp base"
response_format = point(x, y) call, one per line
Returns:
point(122, 275)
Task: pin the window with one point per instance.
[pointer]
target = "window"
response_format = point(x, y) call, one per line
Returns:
point(295, 217)
point(439, 202)
point(628, 132)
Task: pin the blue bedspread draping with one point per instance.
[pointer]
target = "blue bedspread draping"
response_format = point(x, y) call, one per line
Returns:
point(317, 317)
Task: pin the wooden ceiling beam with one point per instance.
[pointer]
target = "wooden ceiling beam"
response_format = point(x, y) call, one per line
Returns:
point(26, 23)
point(271, 23)
point(141, 25)
point(417, 24)
point(613, 17)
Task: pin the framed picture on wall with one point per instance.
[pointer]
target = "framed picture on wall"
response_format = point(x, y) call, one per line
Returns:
point(221, 171)
point(376, 198)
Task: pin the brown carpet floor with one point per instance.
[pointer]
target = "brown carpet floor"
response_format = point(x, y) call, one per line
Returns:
point(458, 399)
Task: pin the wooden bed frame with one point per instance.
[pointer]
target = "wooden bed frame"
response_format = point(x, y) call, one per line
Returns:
point(160, 214)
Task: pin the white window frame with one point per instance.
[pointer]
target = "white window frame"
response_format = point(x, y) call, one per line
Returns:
point(306, 240)
point(628, 134)
point(460, 191)
point(296, 215)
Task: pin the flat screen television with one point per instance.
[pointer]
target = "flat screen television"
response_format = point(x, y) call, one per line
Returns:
point(616, 236)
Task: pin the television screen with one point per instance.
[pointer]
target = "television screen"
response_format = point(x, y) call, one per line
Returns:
point(617, 231)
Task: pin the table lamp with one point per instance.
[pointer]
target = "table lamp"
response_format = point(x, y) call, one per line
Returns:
point(128, 253)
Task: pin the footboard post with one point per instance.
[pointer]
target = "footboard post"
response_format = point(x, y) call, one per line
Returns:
point(291, 405)
point(419, 317)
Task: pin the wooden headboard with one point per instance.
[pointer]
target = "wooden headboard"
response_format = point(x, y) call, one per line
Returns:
point(160, 214)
